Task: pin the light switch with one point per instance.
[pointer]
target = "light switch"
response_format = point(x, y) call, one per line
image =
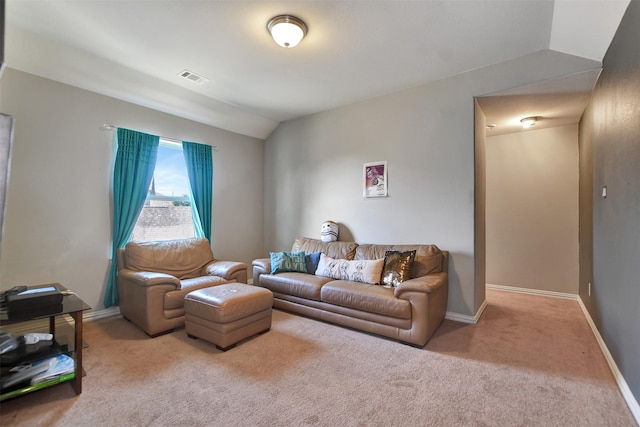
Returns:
point(604, 192)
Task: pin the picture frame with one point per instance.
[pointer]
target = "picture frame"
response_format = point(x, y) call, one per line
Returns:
point(374, 179)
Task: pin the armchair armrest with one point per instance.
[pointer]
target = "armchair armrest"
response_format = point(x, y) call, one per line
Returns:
point(141, 298)
point(427, 284)
point(229, 270)
point(260, 266)
point(148, 278)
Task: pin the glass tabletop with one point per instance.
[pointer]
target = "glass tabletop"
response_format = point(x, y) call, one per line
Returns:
point(71, 303)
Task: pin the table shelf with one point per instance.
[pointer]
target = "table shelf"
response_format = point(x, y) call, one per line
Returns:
point(73, 306)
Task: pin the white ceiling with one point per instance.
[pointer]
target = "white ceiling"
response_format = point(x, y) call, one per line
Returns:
point(355, 50)
point(556, 102)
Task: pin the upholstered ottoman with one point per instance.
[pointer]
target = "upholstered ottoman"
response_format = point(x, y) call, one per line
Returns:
point(226, 314)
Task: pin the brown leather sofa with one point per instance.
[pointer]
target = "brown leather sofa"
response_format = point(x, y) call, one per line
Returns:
point(410, 312)
point(154, 277)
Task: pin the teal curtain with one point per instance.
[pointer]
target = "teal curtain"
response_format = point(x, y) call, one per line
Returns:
point(132, 173)
point(199, 163)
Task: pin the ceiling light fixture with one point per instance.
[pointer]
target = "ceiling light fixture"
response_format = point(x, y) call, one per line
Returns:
point(528, 122)
point(287, 30)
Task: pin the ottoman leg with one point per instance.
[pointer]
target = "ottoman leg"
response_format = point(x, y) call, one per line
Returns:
point(225, 348)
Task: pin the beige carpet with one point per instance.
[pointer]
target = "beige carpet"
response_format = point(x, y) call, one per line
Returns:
point(530, 361)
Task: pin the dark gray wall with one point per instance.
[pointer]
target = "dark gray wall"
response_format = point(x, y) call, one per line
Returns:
point(610, 227)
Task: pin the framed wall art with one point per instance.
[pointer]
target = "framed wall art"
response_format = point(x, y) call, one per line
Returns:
point(375, 179)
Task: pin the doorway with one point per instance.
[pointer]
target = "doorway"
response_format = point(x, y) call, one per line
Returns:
point(527, 207)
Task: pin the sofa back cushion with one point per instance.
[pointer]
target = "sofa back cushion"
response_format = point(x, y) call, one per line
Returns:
point(183, 258)
point(428, 257)
point(337, 250)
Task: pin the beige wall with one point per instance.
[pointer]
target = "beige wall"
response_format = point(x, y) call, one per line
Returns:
point(532, 209)
point(313, 168)
point(480, 215)
point(58, 222)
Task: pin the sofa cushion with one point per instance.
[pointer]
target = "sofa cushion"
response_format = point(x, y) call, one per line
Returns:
point(338, 250)
point(175, 299)
point(365, 297)
point(428, 257)
point(287, 261)
point(182, 258)
point(312, 261)
point(397, 268)
point(365, 271)
point(297, 284)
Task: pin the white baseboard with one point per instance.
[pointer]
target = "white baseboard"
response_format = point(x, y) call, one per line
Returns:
point(632, 403)
point(457, 317)
point(532, 291)
point(101, 314)
point(43, 324)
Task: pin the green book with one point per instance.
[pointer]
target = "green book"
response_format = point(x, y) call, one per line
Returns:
point(44, 384)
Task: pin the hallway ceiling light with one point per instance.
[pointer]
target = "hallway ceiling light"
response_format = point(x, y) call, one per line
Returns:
point(287, 30)
point(528, 122)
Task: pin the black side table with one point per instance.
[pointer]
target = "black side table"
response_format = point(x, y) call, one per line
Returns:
point(74, 307)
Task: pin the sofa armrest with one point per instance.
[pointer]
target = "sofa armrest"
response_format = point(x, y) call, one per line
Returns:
point(427, 284)
point(148, 278)
point(260, 266)
point(229, 270)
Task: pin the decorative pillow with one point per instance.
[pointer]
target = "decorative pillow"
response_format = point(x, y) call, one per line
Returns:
point(397, 267)
point(365, 271)
point(287, 261)
point(312, 260)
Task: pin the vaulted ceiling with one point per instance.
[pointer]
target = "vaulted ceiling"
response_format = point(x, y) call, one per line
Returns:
point(354, 50)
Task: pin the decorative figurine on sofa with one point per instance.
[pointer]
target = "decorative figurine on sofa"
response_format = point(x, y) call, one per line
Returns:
point(329, 231)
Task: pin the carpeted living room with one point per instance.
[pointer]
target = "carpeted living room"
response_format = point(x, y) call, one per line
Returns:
point(307, 372)
point(319, 213)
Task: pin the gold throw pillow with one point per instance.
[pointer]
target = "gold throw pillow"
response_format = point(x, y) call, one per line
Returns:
point(397, 267)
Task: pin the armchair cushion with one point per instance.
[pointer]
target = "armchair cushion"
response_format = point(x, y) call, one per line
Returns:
point(148, 278)
point(175, 299)
point(182, 258)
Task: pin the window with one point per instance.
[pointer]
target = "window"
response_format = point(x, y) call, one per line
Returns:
point(167, 211)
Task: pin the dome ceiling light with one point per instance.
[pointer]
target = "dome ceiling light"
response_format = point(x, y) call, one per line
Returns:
point(287, 30)
point(528, 122)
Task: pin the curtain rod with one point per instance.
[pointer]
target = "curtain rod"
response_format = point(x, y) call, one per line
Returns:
point(107, 126)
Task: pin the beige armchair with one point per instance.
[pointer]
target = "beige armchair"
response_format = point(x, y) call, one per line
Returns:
point(154, 277)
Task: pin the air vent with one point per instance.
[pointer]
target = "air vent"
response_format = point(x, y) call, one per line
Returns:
point(191, 76)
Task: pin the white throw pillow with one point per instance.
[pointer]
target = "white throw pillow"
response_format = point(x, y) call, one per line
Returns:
point(365, 271)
